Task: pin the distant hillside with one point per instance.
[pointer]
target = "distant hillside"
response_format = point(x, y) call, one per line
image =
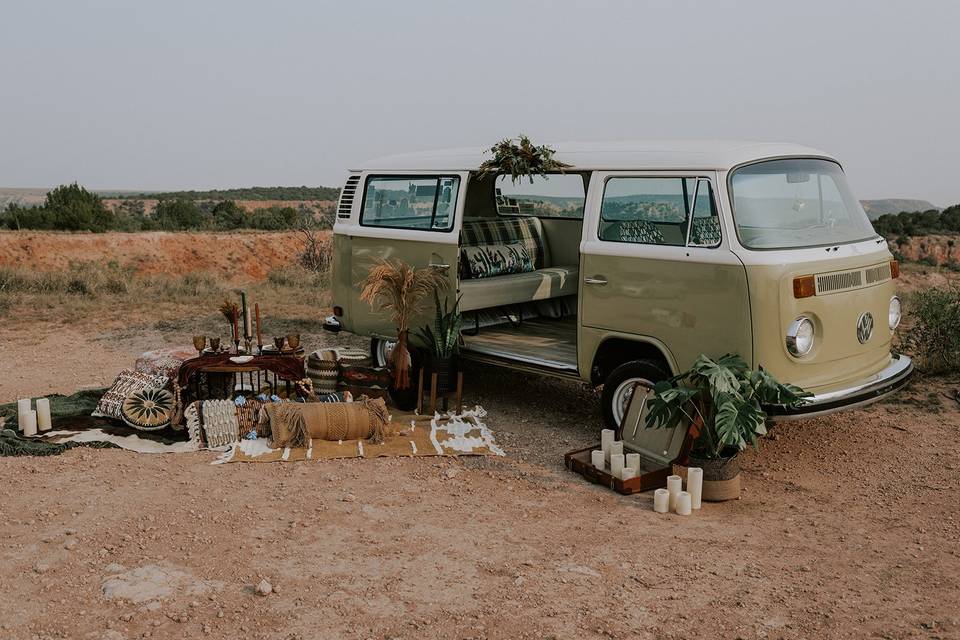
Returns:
point(877, 208)
point(249, 193)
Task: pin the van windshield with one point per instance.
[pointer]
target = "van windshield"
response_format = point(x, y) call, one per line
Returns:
point(793, 203)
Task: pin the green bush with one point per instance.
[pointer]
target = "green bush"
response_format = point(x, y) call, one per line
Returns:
point(930, 261)
point(934, 337)
point(69, 207)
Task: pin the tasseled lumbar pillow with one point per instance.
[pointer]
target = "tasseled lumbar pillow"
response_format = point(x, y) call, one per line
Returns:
point(295, 424)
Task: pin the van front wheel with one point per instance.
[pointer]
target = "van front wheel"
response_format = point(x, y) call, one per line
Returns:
point(619, 386)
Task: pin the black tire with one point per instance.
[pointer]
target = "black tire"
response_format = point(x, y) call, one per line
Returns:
point(375, 351)
point(650, 370)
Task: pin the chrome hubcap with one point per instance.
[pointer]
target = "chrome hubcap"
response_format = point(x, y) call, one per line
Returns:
point(622, 396)
point(383, 351)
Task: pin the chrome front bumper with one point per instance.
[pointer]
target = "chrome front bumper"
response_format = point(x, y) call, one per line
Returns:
point(881, 384)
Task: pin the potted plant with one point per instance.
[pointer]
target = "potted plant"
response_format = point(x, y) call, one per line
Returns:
point(442, 341)
point(726, 400)
point(399, 289)
point(521, 158)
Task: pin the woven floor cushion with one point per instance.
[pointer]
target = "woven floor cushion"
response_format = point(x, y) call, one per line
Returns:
point(148, 409)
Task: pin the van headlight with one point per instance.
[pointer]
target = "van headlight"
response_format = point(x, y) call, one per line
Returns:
point(800, 336)
point(894, 314)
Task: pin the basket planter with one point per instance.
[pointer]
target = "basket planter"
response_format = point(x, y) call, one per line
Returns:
point(446, 370)
point(721, 476)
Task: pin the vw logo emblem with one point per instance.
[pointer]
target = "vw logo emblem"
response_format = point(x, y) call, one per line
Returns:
point(864, 327)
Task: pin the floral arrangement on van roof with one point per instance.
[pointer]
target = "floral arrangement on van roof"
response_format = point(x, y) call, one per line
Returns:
point(520, 158)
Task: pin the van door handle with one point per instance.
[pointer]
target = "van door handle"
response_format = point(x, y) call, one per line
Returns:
point(596, 280)
point(439, 266)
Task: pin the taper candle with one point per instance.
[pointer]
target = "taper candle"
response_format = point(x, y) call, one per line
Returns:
point(28, 423)
point(633, 461)
point(606, 439)
point(596, 457)
point(245, 313)
point(43, 414)
point(256, 307)
point(616, 464)
point(661, 501)
point(683, 503)
point(695, 486)
point(674, 486)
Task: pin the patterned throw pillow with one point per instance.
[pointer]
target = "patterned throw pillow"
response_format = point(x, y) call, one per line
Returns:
point(127, 382)
point(705, 232)
point(148, 409)
point(488, 260)
point(640, 232)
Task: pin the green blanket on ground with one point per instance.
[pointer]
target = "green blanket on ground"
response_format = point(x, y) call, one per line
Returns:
point(81, 403)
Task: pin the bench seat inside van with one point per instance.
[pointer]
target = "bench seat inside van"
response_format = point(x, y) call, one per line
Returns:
point(546, 281)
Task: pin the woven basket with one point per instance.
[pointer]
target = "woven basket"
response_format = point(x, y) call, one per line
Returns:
point(323, 370)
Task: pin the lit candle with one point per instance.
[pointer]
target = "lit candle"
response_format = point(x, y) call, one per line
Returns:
point(627, 473)
point(43, 414)
point(661, 501)
point(616, 464)
point(23, 406)
point(683, 503)
point(633, 461)
point(674, 486)
point(695, 486)
point(596, 457)
point(28, 423)
point(606, 439)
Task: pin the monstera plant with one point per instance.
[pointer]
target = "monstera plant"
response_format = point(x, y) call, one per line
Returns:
point(726, 397)
point(519, 158)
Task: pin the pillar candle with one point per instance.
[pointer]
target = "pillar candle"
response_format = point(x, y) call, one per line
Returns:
point(627, 473)
point(23, 406)
point(596, 457)
point(43, 414)
point(661, 501)
point(606, 439)
point(674, 486)
point(28, 423)
point(695, 486)
point(616, 447)
point(683, 503)
point(616, 464)
point(633, 461)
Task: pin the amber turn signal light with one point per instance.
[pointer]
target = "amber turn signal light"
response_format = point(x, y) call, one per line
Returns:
point(894, 269)
point(804, 287)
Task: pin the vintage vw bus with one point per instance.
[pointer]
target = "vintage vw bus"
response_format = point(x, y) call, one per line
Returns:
point(634, 261)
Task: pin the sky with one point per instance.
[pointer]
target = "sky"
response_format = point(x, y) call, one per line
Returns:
point(216, 94)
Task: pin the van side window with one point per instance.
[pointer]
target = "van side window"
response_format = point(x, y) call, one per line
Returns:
point(422, 202)
point(558, 195)
point(659, 211)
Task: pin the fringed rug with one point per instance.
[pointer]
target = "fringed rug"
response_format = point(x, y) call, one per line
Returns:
point(464, 434)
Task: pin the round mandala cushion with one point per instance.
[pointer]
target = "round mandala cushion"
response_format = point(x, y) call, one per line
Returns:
point(148, 409)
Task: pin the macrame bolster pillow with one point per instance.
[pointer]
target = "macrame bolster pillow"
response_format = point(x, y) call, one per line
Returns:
point(294, 424)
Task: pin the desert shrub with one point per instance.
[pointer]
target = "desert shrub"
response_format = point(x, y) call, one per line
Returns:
point(176, 215)
point(934, 337)
point(228, 215)
point(930, 261)
point(69, 207)
point(274, 218)
point(317, 253)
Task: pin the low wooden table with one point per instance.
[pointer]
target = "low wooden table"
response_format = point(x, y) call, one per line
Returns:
point(285, 368)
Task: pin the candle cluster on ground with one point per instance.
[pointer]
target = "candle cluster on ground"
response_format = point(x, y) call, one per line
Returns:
point(29, 419)
point(675, 499)
point(610, 457)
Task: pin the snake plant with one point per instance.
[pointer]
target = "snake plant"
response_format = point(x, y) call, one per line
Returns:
point(443, 338)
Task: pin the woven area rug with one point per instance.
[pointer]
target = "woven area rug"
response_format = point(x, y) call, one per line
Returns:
point(416, 436)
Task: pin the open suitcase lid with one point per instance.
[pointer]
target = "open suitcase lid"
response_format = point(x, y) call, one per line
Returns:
point(657, 447)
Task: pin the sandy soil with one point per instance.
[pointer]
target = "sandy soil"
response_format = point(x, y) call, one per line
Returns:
point(233, 256)
point(848, 527)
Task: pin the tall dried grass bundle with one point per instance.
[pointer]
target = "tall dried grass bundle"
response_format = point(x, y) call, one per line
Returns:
point(398, 289)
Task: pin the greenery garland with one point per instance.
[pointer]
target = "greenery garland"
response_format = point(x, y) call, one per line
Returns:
point(521, 158)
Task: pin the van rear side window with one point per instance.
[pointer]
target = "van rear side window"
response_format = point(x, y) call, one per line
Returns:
point(551, 196)
point(424, 203)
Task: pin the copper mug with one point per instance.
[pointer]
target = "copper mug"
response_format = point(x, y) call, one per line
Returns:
point(293, 341)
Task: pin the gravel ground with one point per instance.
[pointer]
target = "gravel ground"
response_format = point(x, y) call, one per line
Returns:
point(848, 527)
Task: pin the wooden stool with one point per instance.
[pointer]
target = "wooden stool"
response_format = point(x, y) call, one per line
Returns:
point(458, 393)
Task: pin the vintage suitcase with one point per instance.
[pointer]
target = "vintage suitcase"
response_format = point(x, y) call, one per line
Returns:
point(659, 449)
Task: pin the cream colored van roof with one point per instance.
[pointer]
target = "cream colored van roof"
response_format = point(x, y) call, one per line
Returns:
point(637, 154)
